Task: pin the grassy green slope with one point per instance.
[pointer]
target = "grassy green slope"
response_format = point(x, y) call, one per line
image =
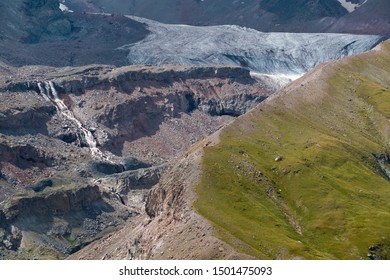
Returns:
point(327, 198)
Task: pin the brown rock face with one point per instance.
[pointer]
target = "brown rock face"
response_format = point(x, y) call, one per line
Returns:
point(57, 202)
point(150, 103)
point(134, 110)
point(81, 147)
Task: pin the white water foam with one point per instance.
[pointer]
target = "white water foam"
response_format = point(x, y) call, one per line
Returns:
point(48, 92)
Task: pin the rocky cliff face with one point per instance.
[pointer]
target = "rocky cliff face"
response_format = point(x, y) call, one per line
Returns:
point(122, 105)
point(81, 147)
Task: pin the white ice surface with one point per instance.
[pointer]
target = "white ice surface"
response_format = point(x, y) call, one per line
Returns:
point(267, 53)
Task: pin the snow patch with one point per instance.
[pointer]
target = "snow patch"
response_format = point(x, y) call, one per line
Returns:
point(275, 82)
point(350, 7)
point(282, 77)
point(65, 8)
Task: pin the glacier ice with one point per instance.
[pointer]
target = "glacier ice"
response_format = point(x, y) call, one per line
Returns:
point(268, 53)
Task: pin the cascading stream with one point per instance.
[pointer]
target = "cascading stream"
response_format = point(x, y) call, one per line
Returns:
point(48, 92)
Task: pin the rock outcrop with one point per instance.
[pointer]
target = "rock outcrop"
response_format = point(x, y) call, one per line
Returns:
point(62, 219)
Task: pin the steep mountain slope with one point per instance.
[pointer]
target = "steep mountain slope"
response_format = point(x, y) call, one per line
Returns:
point(347, 16)
point(43, 35)
point(372, 17)
point(304, 175)
point(169, 229)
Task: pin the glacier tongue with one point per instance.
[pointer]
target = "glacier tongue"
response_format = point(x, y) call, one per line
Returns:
point(269, 53)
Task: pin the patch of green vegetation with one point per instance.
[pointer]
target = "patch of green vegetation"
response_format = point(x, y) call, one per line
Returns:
point(326, 199)
point(68, 238)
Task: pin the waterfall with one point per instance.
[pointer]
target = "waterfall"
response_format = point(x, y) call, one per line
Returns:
point(49, 93)
point(42, 92)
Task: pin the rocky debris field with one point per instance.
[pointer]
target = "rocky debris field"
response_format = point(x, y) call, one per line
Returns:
point(80, 147)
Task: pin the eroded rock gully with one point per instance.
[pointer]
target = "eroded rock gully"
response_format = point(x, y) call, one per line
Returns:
point(81, 148)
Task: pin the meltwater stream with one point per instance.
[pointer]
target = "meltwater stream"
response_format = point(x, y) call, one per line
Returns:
point(49, 93)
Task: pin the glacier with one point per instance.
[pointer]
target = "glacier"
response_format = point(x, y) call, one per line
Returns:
point(267, 53)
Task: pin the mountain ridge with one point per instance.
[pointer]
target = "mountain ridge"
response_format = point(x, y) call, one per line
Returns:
point(266, 15)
